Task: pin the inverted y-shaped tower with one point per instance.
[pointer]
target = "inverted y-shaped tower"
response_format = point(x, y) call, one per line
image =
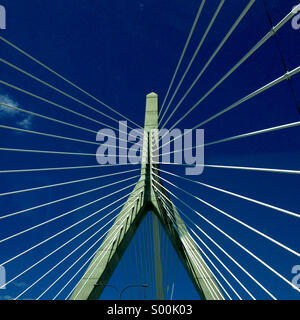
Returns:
point(148, 195)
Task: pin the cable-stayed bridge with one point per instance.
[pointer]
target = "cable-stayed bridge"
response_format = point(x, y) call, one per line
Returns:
point(147, 218)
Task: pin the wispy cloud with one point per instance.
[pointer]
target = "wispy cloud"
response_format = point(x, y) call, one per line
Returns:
point(6, 297)
point(25, 123)
point(22, 120)
point(20, 284)
point(5, 111)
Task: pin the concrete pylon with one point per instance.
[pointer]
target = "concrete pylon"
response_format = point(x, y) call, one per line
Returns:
point(148, 195)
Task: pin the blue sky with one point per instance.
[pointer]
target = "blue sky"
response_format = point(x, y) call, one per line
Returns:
point(119, 51)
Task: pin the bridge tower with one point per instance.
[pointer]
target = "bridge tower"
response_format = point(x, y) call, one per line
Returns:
point(148, 195)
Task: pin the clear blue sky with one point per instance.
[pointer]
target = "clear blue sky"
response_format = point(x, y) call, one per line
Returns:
point(119, 51)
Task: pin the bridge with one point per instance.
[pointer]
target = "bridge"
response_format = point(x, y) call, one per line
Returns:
point(151, 219)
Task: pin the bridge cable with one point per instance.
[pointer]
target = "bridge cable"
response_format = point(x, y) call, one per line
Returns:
point(47, 118)
point(84, 252)
point(174, 223)
point(55, 136)
point(72, 265)
point(222, 43)
point(199, 266)
point(284, 64)
point(241, 197)
point(63, 168)
point(62, 199)
point(253, 169)
point(60, 106)
point(60, 262)
point(63, 245)
point(76, 249)
point(57, 90)
point(65, 183)
point(49, 238)
point(228, 215)
point(52, 152)
point(183, 53)
point(63, 78)
point(194, 56)
point(194, 258)
point(224, 267)
point(78, 271)
point(246, 135)
point(60, 216)
point(218, 166)
point(228, 255)
point(236, 104)
point(95, 261)
point(241, 246)
point(236, 66)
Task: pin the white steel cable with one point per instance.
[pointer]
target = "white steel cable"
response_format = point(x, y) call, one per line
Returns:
point(57, 121)
point(62, 199)
point(241, 136)
point(66, 243)
point(172, 219)
point(219, 166)
point(63, 168)
point(183, 53)
point(228, 255)
point(39, 244)
point(241, 246)
point(278, 243)
point(232, 259)
point(287, 18)
point(218, 269)
point(54, 104)
point(241, 197)
point(55, 136)
point(66, 183)
point(46, 117)
point(252, 169)
point(68, 240)
point(225, 267)
point(61, 261)
point(62, 215)
point(57, 90)
point(63, 78)
point(194, 56)
point(238, 103)
point(232, 29)
point(48, 152)
point(71, 254)
point(195, 259)
point(72, 265)
point(209, 261)
point(113, 234)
